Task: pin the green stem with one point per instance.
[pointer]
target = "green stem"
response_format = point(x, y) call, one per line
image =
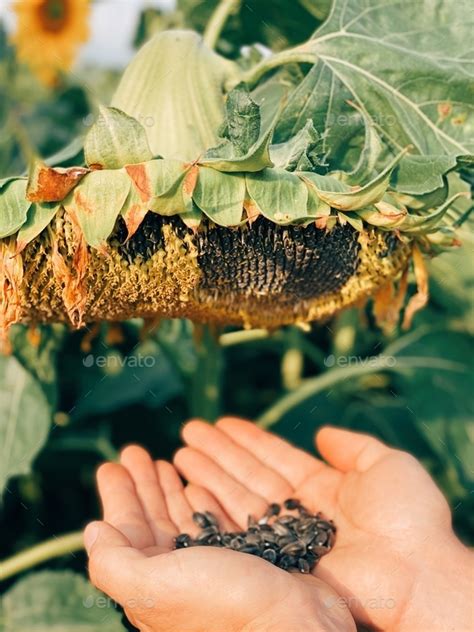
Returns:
point(313, 386)
point(217, 21)
point(237, 337)
point(298, 55)
point(63, 545)
point(206, 381)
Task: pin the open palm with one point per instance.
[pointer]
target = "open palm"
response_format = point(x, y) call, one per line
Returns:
point(202, 588)
point(385, 506)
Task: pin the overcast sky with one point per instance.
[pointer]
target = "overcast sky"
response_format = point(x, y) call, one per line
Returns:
point(113, 25)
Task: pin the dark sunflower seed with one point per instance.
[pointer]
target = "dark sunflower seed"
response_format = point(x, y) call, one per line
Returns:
point(304, 566)
point(270, 555)
point(281, 529)
point(211, 519)
point(294, 548)
point(201, 520)
point(291, 503)
point(287, 561)
point(250, 548)
point(182, 541)
point(253, 538)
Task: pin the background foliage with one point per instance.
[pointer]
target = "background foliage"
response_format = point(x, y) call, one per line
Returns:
point(78, 397)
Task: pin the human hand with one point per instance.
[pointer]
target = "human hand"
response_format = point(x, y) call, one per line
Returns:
point(131, 558)
point(396, 561)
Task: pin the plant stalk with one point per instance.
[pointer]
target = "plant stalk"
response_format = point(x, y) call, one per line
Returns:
point(63, 545)
point(297, 55)
point(313, 386)
point(206, 381)
point(217, 21)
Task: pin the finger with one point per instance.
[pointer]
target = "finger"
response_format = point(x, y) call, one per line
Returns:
point(347, 450)
point(121, 506)
point(237, 461)
point(291, 463)
point(179, 508)
point(201, 500)
point(112, 561)
point(236, 499)
point(143, 472)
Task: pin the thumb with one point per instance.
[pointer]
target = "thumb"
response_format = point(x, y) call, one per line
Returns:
point(113, 562)
point(346, 450)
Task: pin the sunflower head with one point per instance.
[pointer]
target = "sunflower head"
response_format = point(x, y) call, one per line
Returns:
point(193, 211)
point(48, 35)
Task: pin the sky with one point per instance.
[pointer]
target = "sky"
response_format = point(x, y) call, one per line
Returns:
point(113, 25)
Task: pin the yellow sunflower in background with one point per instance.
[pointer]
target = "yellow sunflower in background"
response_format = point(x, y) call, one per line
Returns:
point(49, 33)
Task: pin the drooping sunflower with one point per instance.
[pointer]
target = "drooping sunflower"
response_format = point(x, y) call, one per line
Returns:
point(223, 195)
point(49, 33)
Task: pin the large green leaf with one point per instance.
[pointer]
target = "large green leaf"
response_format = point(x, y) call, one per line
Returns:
point(116, 140)
point(405, 64)
point(279, 195)
point(97, 201)
point(220, 196)
point(174, 87)
point(59, 601)
point(25, 419)
point(13, 207)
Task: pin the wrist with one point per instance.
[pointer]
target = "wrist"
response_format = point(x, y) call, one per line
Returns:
point(441, 596)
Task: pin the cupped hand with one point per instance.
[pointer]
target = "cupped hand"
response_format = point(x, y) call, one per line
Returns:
point(395, 557)
point(131, 558)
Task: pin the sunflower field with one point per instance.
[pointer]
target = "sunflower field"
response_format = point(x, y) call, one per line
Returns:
point(257, 208)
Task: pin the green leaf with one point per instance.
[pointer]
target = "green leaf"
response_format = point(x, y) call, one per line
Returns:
point(418, 175)
point(409, 73)
point(298, 152)
point(353, 219)
point(25, 419)
point(192, 218)
point(13, 207)
point(409, 76)
point(327, 184)
point(5, 181)
point(279, 195)
point(369, 156)
point(174, 86)
point(39, 216)
point(225, 158)
point(116, 140)
point(220, 196)
point(242, 125)
point(164, 185)
point(422, 224)
point(37, 351)
point(97, 201)
point(59, 601)
point(347, 200)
